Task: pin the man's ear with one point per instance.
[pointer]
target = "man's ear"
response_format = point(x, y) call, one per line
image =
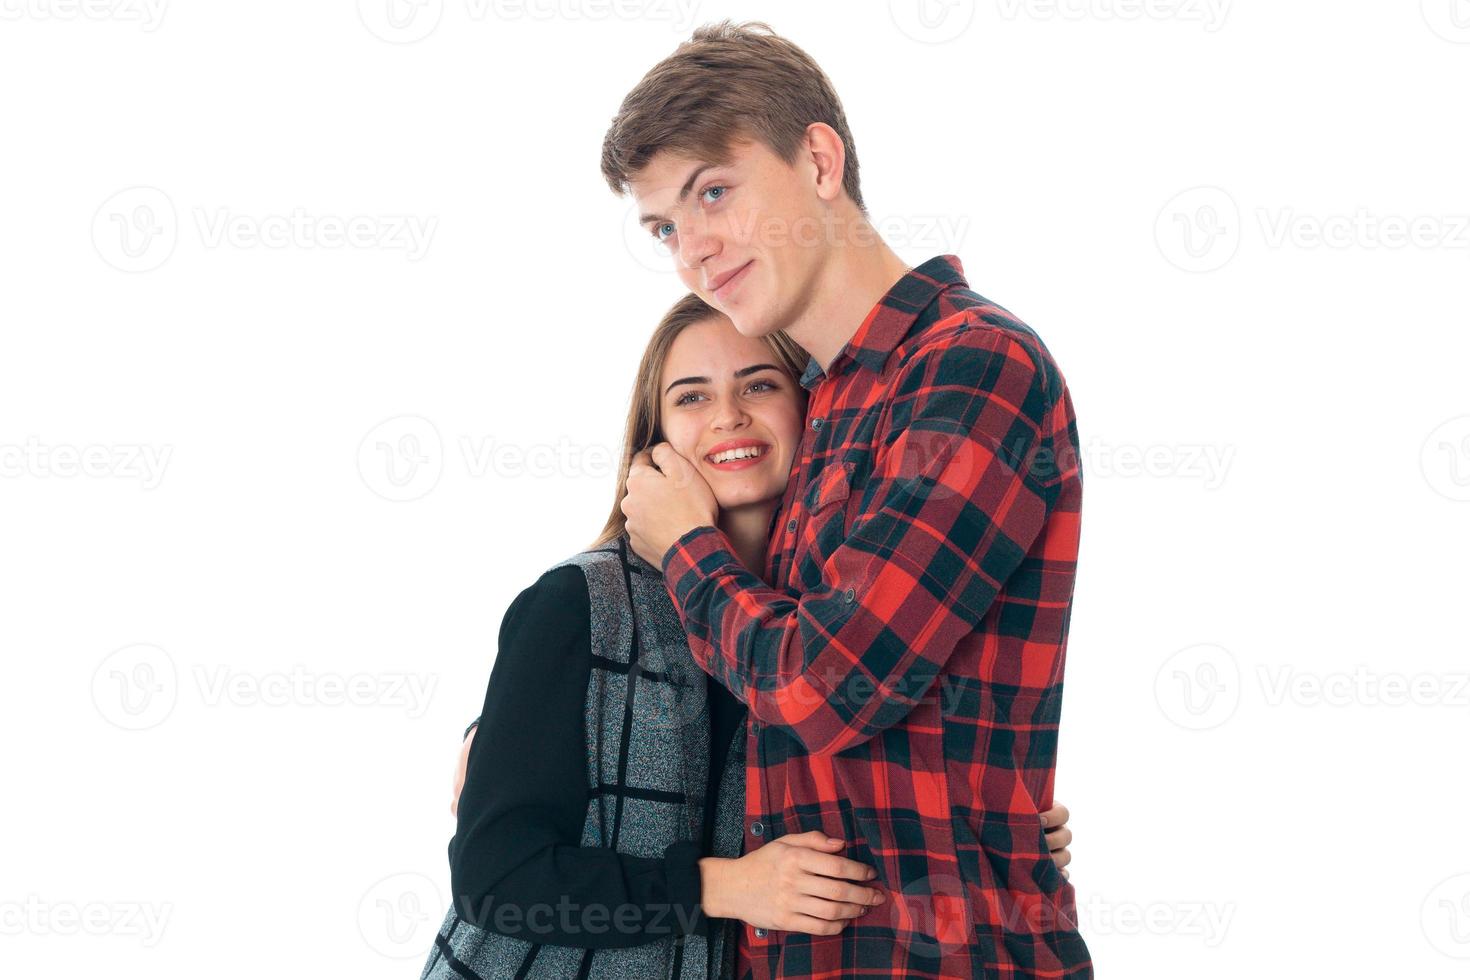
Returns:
point(827, 156)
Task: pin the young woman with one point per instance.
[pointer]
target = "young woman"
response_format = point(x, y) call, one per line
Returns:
point(600, 816)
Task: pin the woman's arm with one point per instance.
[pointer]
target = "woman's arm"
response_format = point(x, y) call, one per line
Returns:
point(516, 864)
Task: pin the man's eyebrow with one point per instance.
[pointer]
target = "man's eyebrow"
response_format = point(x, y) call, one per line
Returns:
point(743, 372)
point(644, 219)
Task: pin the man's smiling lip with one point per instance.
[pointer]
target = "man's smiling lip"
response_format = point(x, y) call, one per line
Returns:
point(717, 283)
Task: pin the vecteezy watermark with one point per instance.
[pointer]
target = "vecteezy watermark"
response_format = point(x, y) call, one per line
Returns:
point(1362, 229)
point(1450, 19)
point(1202, 686)
point(1445, 459)
point(1198, 230)
point(123, 461)
point(932, 21)
point(398, 915)
point(407, 21)
point(137, 229)
point(653, 247)
point(1209, 13)
point(147, 14)
point(1361, 687)
point(402, 458)
point(1198, 688)
point(1205, 462)
point(1445, 917)
point(1208, 921)
point(34, 916)
point(220, 684)
point(137, 687)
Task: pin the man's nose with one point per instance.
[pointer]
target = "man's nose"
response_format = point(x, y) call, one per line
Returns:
point(696, 245)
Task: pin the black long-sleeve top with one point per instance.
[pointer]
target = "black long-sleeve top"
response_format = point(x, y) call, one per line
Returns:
point(524, 800)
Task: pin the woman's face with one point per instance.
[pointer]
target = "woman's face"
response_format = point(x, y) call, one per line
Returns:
point(726, 405)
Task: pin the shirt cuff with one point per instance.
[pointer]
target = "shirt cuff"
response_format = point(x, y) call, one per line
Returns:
point(681, 872)
point(697, 554)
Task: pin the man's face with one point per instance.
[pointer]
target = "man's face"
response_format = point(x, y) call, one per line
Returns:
point(748, 236)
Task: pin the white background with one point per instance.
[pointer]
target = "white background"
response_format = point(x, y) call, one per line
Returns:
point(245, 461)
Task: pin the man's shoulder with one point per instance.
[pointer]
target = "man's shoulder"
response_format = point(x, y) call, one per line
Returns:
point(973, 333)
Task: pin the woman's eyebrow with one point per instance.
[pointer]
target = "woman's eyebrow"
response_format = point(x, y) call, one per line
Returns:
point(739, 374)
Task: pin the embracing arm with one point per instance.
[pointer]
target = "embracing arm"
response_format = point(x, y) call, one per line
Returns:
point(516, 864)
point(960, 494)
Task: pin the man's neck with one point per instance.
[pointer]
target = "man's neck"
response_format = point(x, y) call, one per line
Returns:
point(748, 529)
point(851, 283)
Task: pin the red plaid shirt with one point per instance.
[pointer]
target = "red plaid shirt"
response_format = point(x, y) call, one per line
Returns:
point(904, 674)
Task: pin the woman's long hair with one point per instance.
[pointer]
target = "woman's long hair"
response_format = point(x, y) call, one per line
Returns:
point(642, 430)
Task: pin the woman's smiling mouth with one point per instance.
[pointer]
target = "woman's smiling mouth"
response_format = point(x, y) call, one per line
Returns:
point(737, 456)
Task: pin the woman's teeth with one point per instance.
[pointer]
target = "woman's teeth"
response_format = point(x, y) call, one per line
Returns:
point(742, 453)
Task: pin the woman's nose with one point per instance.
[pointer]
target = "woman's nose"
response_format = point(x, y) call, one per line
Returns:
point(729, 417)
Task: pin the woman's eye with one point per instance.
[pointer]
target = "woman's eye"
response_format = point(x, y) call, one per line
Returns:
point(685, 398)
point(716, 190)
point(767, 385)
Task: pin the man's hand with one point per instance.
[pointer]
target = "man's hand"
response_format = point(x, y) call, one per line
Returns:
point(464, 761)
point(664, 504)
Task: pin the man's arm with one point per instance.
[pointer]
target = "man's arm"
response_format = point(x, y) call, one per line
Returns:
point(959, 502)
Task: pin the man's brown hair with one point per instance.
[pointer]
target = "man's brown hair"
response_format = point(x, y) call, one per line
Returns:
point(728, 81)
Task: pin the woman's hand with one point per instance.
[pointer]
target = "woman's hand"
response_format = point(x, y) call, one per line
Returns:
point(1058, 836)
point(793, 884)
point(464, 761)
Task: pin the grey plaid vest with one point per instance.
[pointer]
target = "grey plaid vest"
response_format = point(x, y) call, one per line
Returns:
point(645, 792)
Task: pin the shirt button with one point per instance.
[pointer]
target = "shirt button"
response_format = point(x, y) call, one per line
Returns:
point(760, 933)
point(791, 525)
point(817, 423)
point(849, 595)
point(757, 828)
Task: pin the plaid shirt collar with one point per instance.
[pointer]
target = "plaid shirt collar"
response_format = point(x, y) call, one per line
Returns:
point(889, 321)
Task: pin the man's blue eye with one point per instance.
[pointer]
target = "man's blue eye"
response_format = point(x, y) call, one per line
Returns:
point(715, 189)
point(660, 234)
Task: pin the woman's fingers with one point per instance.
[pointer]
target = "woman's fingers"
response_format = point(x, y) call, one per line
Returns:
point(1058, 839)
point(1055, 817)
point(834, 866)
point(820, 908)
point(844, 892)
point(1061, 858)
point(811, 925)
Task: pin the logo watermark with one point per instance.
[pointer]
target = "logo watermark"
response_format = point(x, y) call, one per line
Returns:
point(408, 21)
point(932, 21)
point(1450, 19)
point(137, 230)
point(147, 14)
point(398, 916)
point(121, 461)
point(1445, 917)
point(35, 916)
point(1209, 14)
point(1445, 459)
point(403, 458)
point(137, 687)
point(1201, 229)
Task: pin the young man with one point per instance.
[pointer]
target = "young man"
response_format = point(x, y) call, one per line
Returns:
point(904, 668)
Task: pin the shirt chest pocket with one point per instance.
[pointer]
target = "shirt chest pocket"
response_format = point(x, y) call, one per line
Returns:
point(825, 528)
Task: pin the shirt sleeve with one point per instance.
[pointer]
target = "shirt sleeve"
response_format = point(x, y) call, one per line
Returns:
point(959, 495)
point(516, 866)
